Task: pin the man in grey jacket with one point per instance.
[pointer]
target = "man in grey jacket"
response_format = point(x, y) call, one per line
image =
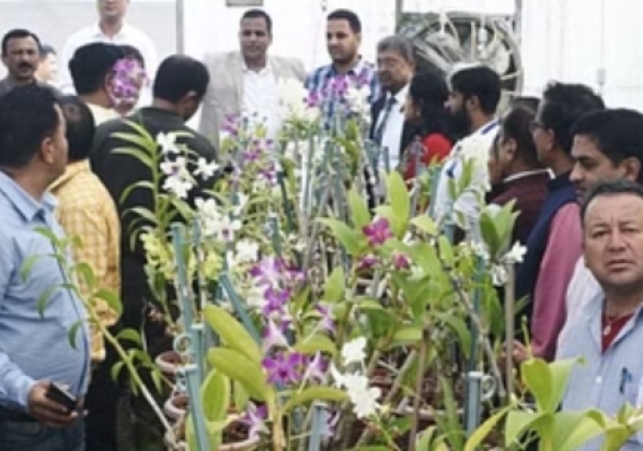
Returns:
point(247, 81)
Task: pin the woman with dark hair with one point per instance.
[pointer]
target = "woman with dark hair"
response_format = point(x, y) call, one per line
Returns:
point(425, 109)
point(514, 170)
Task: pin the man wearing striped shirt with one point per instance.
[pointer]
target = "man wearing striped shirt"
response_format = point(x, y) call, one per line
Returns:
point(343, 38)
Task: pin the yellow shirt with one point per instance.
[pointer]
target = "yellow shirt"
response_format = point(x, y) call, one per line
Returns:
point(86, 210)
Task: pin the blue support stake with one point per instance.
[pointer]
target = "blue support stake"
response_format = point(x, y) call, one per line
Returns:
point(190, 373)
point(226, 284)
point(197, 336)
point(318, 420)
point(473, 404)
point(274, 234)
point(183, 287)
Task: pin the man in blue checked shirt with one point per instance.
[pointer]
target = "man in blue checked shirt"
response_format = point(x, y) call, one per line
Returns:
point(343, 38)
point(35, 349)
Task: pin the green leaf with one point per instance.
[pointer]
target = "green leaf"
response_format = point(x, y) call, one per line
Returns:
point(398, 195)
point(73, 332)
point(44, 298)
point(87, 274)
point(460, 328)
point(317, 393)
point(146, 184)
point(489, 233)
point(446, 251)
point(316, 343)
point(359, 211)
point(240, 397)
point(142, 131)
point(560, 371)
point(143, 213)
point(215, 394)
point(239, 368)
point(28, 265)
point(483, 431)
point(519, 422)
point(425, 224)
point(334, 287)
point(407, 335)
point(111, 299)
point(573, 429)
point(537, 377)
point(116, 369)
point(233, 334)
point(130, 335)
point(139, 154)
point(351, 240)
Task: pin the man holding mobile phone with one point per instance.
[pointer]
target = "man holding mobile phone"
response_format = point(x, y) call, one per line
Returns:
point(43, 377)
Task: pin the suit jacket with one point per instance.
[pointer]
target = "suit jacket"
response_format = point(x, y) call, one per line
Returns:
point(225, 93)
point(408, 132)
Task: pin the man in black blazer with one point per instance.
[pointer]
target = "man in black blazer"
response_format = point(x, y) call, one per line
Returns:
point(395, 67)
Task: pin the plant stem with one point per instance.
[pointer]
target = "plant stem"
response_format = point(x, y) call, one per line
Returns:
point(418, 389)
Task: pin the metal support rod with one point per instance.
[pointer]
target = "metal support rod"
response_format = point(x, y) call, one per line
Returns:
point(182, 285)
point(198, 348)
point(473, 405)
point(190, 373)
point(318, 420)
point(180, 27)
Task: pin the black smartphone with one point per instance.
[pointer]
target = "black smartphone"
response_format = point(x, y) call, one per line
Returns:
point(62, 396)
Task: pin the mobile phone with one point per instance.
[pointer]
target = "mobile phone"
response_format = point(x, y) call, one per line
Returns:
point(57, 393)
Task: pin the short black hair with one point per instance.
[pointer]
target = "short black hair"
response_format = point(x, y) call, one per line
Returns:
point(610, 188)
point(46, 50)
point(80, 127)
point(91, 64)
point(258, 14)
point(349, 16)
point(18, 33)
point(617, 133)
point(28, 115)
point(515, 125)
point(481, 82)
point(529, 102)
point(563, 104)
point(129, 51)
point(177, 76)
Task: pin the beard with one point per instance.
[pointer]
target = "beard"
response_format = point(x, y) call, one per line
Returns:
point(460, 123)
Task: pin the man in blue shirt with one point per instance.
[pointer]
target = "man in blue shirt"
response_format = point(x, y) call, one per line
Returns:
point(34, 349)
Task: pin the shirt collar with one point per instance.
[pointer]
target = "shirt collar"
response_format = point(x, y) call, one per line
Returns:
point(99, 33)
point(400, 96)
point(265, 70)
point(524, 174)
point(72, 170)
point(355, 70)
point(22, 201)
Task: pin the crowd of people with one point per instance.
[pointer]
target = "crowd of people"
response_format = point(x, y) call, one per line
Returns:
point(571, 165)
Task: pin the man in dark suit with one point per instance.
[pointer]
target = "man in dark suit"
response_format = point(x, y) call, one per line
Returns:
point(395, 67)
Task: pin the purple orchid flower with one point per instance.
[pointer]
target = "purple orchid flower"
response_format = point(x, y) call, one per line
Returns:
point(254, 417)
point(378, 231)
point(401, 261)
point(316, 369)
point(268, 271)
point(274, 337)
point(367, 262)
point(327, 322)
point(329, 428)
point(282, 369)
point(276, 300)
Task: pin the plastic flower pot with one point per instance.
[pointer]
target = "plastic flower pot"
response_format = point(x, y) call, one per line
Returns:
point(168, 362)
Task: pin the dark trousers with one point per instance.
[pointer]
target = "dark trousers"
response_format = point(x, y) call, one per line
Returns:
point(34, 436)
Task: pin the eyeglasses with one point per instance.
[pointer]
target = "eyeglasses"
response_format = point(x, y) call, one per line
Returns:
point(535, 125)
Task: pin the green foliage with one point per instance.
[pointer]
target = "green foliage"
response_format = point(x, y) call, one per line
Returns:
point(232, 333)
point(239, 368)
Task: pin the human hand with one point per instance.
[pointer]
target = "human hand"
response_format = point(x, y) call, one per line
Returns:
point(47, 411)
point(519, 353)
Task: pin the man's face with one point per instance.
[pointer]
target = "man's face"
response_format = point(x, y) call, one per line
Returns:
point(393, 70)
point(613, 241)
point(342, 41)
point(22, 58)
point(458, 114)
point(592, 166)
point(543, 137)
point(254, 38)
point(55, 149)
point(112, 9)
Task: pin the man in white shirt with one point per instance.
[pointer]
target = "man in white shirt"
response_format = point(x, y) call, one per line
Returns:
point(247, 81)
point(608, 145)
point(111, 29)
point(395, 67)
point(474, 96)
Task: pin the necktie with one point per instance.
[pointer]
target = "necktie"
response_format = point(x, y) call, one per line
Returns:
point(381, 128)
